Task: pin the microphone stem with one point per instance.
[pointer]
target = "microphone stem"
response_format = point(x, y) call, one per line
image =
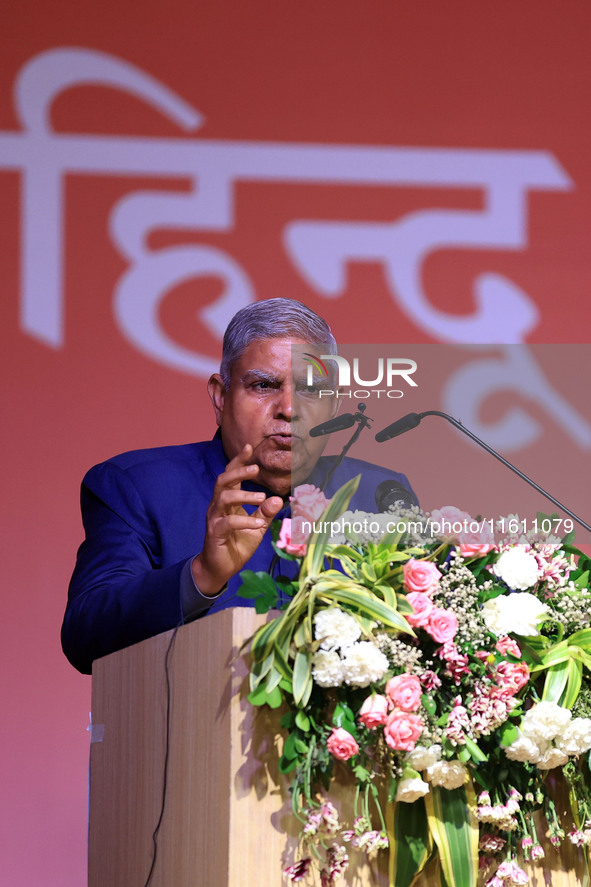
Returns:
point(498, 456)
point(363, 423)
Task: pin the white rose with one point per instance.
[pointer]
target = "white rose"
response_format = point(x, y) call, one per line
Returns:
point(420, 757)
point(334, 628)
point(449, 774)
point(410, 789)
point(363, 664)
point(545, 721)
point(327, 668)
point(518, 568)
point(551, 758)
point(516, 613)
point(576, 737)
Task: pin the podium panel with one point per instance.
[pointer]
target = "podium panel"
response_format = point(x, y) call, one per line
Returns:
point(227, 816)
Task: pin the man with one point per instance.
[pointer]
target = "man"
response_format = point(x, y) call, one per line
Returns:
point(169, 529)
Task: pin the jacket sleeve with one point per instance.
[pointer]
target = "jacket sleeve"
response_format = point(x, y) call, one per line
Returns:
point(120, 592)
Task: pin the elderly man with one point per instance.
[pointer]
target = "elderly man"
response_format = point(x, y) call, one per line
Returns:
point(169, 529)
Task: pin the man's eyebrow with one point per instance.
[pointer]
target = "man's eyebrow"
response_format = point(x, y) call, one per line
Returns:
point(259, 376)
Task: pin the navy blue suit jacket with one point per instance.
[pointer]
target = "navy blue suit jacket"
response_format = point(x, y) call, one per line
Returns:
point(144, 519)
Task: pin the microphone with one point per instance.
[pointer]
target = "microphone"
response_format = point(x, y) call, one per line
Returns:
point(392, 492)
point(411, 420)
point(339, 423)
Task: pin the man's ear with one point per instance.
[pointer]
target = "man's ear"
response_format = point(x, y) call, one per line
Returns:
point(217, 393)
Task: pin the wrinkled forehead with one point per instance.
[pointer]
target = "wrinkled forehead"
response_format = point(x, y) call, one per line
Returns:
point(283, 360)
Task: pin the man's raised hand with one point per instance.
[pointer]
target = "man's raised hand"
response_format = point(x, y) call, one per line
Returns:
point(232, 535)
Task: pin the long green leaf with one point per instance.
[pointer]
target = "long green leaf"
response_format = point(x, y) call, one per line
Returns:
point(582, 639)
point(410, 841)
point(454, 832)
point(318, 542)
point(556, 680)
point(368, 605)
point(302, 678)
point(573, 685)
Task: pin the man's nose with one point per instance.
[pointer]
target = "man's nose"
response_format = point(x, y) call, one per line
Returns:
point(284, 402)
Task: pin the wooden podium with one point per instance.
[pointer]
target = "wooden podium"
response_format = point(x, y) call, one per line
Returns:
point(227, 818)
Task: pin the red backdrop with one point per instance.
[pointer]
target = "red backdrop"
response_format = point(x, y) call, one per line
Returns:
point(416, 172)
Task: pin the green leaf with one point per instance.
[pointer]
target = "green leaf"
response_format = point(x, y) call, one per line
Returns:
point(302, 636)
point(475, 752)
point(302, 721)
point(429, 704)
point(388, 595)
point(454, 832)
point(274, 698)
point(280, 661)
point(556, 681)
point(374, 608)
point(258, 696)
point(289, 748)
point(362, 774)
point(286, 765)
point(508, 733)
point(403, 605)
point(287, 720)
point(410, 841)
point(318, 542)
point(343, 716)
point(273, 680)
point(302, 678)
point(257, 585)
point(369, 574)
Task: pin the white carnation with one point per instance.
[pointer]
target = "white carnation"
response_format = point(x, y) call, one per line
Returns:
point(551, 758)
point(576, 737)
point(449, 774)
point(518, 568)
point(410, 789)
point(545, 721)
point(525, 749)
point(334, 628)
point(517, 613)
point(363, 664)
point(327, 668)
point(420, 757)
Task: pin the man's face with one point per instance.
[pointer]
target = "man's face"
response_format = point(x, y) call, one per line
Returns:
point(264, 398)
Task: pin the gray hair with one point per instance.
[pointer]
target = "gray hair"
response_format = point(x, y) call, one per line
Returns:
point(272, 319)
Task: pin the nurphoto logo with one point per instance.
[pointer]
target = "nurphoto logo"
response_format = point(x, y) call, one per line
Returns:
point(389, 370)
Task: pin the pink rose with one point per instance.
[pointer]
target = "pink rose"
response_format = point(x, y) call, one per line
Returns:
point(422, 606)
point(478, 543)
point(507, 645)
point(512, 676)
point(449, 522)
point(341, 744)
point(308, 502)
point(402, 730)
point(374, 711)
point(443, 625)
point(307, 505)
point(285, 542)
point(420, 575)
point(404, 691)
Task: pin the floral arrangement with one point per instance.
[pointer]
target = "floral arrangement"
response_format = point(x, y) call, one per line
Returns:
point(450, 674)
